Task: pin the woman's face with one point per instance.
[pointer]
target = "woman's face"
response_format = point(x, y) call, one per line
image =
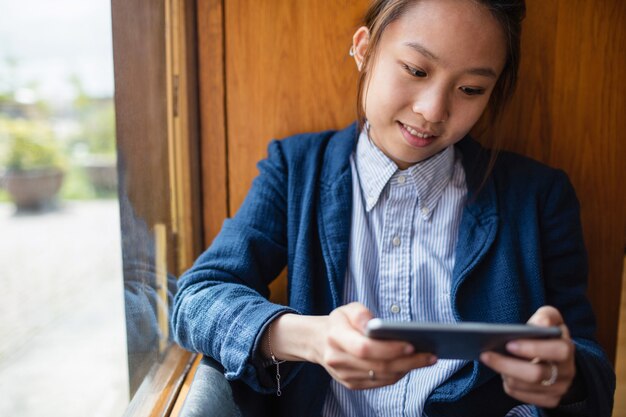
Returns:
point(431, 77)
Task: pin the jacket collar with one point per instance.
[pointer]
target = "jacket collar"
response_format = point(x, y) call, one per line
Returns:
point(336, 157)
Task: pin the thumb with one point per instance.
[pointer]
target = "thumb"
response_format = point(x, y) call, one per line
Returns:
point(546, 316)
point(358, 315)
point(549, 316)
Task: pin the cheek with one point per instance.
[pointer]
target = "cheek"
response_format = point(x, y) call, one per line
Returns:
point(386, 96)
point(469, 112)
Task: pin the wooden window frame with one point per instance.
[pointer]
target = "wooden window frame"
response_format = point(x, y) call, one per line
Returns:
point(154, 48)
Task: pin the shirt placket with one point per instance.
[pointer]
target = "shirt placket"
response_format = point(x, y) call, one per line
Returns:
point(396, 262)
point(395, 266)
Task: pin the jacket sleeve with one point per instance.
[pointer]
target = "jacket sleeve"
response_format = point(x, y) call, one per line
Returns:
point(221, 307)
point(565, 272)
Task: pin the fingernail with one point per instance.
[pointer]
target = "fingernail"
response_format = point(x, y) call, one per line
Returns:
point(409, 349)
point(543, 321)
point(432, 360)
point(513, 347)
point(484, 357)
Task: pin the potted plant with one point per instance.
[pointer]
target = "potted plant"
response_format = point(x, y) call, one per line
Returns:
point(33, 163)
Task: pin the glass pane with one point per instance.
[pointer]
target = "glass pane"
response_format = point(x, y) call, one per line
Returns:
point(62, 331)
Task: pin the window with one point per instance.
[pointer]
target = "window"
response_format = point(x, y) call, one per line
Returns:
point(88, 271)
point(62, 326)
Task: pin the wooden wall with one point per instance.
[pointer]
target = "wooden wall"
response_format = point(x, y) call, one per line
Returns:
point(285, 69)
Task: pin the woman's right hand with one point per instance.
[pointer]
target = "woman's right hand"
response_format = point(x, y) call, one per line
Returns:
point(357, 361)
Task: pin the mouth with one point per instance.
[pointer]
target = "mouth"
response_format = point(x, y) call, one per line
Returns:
point(416, 136)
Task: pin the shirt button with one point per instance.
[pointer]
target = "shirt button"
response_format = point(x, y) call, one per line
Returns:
point(425, 211)
point(396, 241)
point(395, 309)
point(401, 179)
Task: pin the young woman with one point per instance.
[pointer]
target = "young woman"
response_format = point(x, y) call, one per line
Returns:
point(404, 217)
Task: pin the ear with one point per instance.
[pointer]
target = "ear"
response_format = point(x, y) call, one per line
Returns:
point(360, 42)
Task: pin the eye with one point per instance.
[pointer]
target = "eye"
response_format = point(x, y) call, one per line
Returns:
point(472, 91)
point(414, 71)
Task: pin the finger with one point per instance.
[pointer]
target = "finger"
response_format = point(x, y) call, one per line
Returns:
point(346, 334)
point(532, 373)
point(558, 388)
point(539, 399)
point(549, 316)
point(355, 373)
point(365, 348)
point(358, 315)
point(559, 350)
point(343, 361)
point(546, 316)
point(361, 384)
point(415, 361)
point(355, 379)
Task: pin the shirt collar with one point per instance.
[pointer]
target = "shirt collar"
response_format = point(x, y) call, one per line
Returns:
point(375, 170)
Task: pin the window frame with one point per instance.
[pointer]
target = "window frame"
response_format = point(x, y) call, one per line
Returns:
point(157, 129)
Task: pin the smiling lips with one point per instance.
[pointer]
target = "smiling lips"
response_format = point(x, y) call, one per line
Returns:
point(416, 137)
point(420, 134)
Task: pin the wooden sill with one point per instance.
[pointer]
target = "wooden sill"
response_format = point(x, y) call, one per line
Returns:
point(184, 390)
point(160, 389)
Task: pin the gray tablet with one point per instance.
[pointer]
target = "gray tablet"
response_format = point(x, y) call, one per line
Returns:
point(457, 340)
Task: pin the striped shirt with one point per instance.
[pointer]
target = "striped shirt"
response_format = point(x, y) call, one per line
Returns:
point(402, 245)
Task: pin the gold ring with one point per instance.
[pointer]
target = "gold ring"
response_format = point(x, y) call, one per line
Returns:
point(372, 375)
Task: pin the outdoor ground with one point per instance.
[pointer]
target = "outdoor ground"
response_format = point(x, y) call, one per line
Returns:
point(62, 330)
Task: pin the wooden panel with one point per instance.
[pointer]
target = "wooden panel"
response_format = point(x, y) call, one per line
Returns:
point(619, 409)
point(569, 112)
point(212, 115)
point(288, 71)
point(184, 390)
point(590, 106)
point(183, 132)
point(159, 391)
point(526, 125)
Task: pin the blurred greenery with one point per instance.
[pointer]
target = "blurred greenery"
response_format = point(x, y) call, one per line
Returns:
point(97, 122)
point(29, 145)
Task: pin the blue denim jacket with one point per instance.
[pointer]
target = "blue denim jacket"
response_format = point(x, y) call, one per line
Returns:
point(520, 246)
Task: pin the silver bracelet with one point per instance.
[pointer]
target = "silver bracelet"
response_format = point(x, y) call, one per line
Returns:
point(274, 360)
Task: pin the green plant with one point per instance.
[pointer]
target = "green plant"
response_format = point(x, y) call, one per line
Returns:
point(99, 129)
point(30, 145)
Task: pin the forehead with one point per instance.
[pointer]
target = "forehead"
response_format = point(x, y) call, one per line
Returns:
point(458, 33)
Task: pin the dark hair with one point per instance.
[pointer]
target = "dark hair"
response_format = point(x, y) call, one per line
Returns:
point(508, 13)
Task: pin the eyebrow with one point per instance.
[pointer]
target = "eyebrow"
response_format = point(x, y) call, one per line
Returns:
point(484, 72)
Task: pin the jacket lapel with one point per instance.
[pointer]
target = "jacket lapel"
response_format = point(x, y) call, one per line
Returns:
point(479, 221)
point(335, 208)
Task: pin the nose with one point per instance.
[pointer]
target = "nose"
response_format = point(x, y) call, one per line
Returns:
point(432, 105)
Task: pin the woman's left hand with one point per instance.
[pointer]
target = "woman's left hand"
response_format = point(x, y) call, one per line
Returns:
point(543, 370)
